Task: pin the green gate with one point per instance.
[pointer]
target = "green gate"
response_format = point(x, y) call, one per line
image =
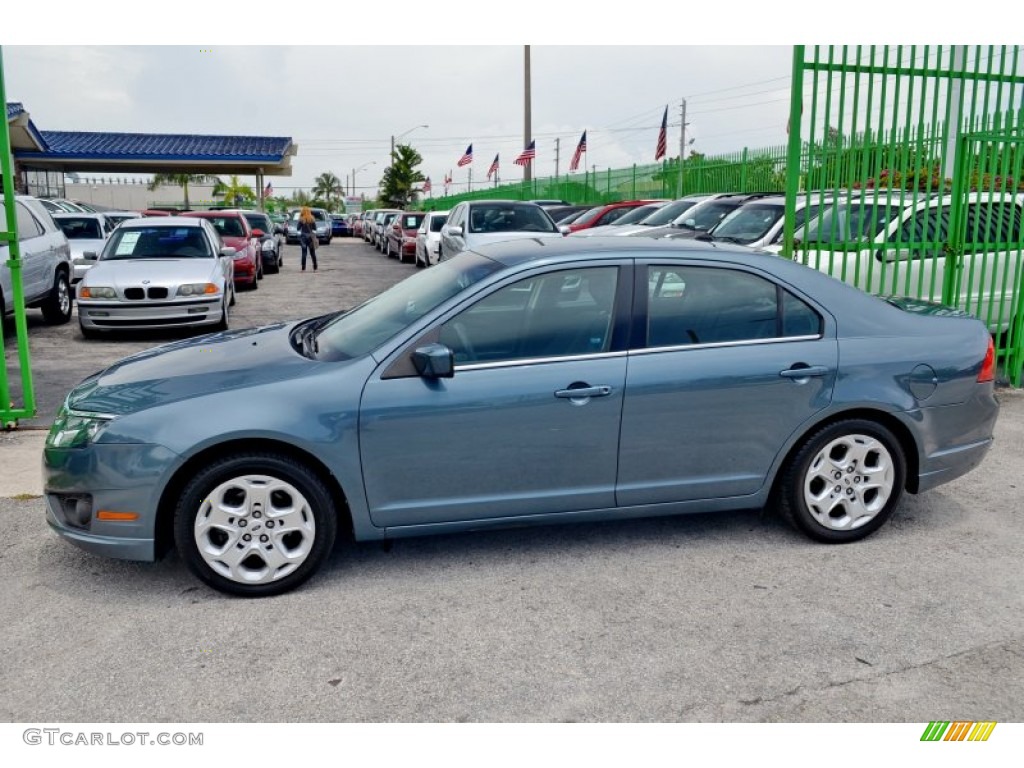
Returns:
point(905, 176)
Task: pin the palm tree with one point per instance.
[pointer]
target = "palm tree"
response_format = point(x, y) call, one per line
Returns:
point(400, 179)
point(182, 180)
point(327, 185)
point(234, 193)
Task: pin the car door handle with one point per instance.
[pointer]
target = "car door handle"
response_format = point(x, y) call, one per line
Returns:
point(800, 371)
point(582, 392)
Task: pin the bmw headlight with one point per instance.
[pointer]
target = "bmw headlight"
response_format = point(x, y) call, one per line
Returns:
point(96, 292)
point(197, 289)
point(75, 429)
point(268, 245)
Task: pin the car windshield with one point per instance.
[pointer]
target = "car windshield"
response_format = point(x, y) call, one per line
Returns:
point(157, 243)
point(372, 323)
point(258, 222)
point(749, 223)
point(588, 216)
point(638, 214)
point(849, 221)
point(227, 226)
point(81, 229)
point(667, 214)
point(436, 222)
point(509, 217)
point(706, 215)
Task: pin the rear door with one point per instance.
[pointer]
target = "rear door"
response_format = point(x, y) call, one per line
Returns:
point(725, 366)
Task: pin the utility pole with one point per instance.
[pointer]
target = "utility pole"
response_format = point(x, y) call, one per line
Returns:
point(528, 118)
point(682, 147)
point(558, 144)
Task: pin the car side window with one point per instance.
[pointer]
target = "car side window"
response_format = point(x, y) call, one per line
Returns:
point(989, 223)
point(710, 305)
point(556, 314)
point(28, 227)
point(925, 233)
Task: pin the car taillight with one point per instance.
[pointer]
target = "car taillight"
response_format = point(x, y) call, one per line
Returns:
point(988, 367)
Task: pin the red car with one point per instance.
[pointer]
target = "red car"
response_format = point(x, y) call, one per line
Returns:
point(235, 232)
point(605, 214)
point(402, 235)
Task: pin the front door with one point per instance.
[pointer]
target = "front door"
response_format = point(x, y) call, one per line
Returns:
point(528, 425)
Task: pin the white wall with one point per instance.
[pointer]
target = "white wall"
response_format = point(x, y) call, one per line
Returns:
point(136, 197)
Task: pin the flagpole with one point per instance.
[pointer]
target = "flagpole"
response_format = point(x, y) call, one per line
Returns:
point(470, 187)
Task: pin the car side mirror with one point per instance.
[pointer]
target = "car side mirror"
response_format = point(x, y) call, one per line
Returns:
point(564, 229)
point(455, 231)
point(90, 256)
point(257, 233)
point(434, 361)
point(227, 250)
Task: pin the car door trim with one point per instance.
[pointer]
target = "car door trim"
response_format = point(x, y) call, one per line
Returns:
point(744, 342)
point(539, 361)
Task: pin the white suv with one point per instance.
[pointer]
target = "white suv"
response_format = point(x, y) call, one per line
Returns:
point(45, 263)
point(901, 248)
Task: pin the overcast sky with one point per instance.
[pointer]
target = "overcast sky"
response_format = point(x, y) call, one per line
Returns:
point(341, 104)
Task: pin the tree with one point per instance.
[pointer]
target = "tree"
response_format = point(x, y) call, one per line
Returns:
point(301, 197)
point(235, 193)
point(397, 187)
point(182, 180)
point(326, 186)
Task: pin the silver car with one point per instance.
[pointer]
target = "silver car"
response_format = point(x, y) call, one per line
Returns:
point(158, 273)
point(475, 223)
point(45, 263)
point(86, 232)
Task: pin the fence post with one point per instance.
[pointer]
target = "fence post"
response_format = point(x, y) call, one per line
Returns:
point(796, 101)
point(633, 194)
point(743, 171)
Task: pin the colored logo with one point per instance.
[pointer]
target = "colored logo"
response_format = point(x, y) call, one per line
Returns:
point(960, 730)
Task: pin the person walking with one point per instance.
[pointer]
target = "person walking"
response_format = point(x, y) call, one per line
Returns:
point(307, 236)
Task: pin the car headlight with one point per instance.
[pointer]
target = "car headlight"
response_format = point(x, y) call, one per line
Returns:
point(96, 292)
point(75, 429)
point(198, 289)
point(268, 245)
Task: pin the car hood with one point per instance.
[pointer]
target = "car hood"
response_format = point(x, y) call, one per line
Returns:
point(191, 368)
point(170, 272)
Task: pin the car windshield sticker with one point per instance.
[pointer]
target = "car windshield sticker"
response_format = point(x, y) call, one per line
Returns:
point(127, 245)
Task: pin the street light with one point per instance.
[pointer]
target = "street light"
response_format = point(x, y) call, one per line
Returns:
point(391, 162)
point(364, 165)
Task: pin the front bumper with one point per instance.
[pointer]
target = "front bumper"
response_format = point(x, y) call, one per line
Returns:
point(115, 477)
point(112, 316)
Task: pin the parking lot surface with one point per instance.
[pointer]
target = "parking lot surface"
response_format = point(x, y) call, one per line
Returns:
point(725, 617)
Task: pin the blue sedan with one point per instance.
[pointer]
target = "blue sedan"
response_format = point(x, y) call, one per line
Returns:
point(536, 381)
point(339, 225)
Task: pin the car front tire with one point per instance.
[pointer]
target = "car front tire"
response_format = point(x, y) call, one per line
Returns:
point(254, 524)
point(844, 481)
point(57, 307)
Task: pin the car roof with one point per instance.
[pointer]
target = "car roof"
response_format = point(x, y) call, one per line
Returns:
point(78, 215)
point(162, 221)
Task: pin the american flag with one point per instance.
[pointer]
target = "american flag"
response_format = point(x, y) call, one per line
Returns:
point(467, 158)
point(494, 167)
point(662, 148)
point(580, 149)
point(268, 191)
point(527, 155)
point(426, 185)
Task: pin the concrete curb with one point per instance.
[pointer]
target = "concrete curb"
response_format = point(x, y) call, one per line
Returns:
point(21, 456)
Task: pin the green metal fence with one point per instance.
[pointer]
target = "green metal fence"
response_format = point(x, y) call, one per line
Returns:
point(757, 170)
point(9, 412)
point(914, 153)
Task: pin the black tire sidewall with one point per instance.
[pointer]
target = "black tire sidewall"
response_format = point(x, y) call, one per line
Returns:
point(281, 467)
point(792, 490)
point(51, 309)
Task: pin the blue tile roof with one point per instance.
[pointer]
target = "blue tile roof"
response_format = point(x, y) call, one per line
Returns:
point(14, 108)
point(141, 146)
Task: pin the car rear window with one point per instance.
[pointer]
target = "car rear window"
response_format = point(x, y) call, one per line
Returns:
point(412, 220)
point(81, 229)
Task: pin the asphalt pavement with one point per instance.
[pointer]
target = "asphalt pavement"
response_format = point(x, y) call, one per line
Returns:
point(724, 617)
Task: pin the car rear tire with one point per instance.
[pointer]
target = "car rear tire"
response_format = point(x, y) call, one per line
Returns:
point(254, 524)
point(844, 481)
point(57, 307)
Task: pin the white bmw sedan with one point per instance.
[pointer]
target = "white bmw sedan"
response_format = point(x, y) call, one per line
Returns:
point(170, 272)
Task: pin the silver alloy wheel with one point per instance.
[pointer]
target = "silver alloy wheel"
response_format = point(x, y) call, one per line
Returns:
point(849, 482)
point(63, 297)
point(255, 529)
